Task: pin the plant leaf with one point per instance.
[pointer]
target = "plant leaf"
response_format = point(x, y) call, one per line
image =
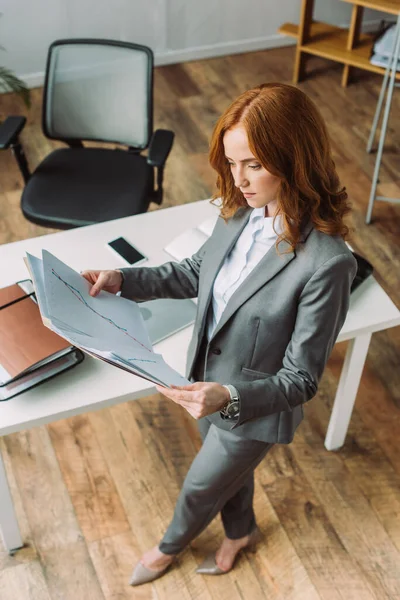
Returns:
point(11, 83)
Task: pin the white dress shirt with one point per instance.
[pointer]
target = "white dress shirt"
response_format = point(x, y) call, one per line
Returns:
point(254, 242)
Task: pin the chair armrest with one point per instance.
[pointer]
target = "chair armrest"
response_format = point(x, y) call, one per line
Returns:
point(160, 146)
point(10, 130)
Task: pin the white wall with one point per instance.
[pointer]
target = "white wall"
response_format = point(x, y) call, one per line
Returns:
point(176, 30)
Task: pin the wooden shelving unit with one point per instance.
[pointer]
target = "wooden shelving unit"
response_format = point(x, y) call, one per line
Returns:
point(347, 46)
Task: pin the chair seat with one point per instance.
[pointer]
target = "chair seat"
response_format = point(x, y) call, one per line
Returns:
point(74, 187)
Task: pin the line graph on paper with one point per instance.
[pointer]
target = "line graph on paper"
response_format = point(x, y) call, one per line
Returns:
point(136, 359)
point(110, 321)
point(107, 326)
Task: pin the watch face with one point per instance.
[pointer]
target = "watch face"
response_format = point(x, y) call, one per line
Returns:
point(233, 408)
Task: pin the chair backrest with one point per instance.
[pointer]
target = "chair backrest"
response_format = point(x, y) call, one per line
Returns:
point(99, 90)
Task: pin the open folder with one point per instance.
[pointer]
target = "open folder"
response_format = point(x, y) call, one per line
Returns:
point(108, 327)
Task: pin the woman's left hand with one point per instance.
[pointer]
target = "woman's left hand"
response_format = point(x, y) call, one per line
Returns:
point(199, 399)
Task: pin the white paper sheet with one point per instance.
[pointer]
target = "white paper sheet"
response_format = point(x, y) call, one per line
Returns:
point(208, 225)
point(106, 316)
point(107, 326)
point(186, 244)
point(154, 364)
point(35, 266)
point(189, 242)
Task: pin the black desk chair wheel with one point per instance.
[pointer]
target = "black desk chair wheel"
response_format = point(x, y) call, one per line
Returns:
point(102, 91)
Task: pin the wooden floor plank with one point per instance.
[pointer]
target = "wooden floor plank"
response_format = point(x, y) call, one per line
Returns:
point(113, 559)
point(23, 582)
point(57, 537)
point(276, 562)
point(375, 467)
point(331, 569)
point(375, 406)
point(353, 521)
point(91, 488)
point(28, 552)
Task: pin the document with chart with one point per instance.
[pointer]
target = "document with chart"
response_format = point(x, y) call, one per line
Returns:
point(107, 327)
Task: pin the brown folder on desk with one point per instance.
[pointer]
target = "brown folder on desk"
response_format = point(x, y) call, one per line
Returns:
point(29, 352)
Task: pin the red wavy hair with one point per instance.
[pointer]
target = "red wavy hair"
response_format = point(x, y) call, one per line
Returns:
point(287, 135)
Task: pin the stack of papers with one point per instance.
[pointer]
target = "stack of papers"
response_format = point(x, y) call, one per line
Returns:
point(107, 327)
point(29, 352)
point(383, 48)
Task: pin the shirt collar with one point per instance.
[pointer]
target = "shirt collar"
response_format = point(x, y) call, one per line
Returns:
point(267, 224)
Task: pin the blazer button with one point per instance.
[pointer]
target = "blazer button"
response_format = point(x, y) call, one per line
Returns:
point(216, 350)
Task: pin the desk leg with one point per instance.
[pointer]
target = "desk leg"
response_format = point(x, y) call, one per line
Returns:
point(8, 519)
point(347, 391)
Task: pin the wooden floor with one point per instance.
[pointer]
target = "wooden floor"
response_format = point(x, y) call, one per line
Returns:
point(93, 492)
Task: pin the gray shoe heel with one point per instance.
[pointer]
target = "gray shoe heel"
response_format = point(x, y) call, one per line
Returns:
point(209, 565)
point(142, 574)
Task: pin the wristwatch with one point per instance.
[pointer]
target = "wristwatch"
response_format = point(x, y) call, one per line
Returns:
point(231, 409)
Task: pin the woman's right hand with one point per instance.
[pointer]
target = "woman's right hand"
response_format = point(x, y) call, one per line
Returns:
point(109, 281)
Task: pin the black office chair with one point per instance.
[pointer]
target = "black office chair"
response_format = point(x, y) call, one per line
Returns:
point(95, 90)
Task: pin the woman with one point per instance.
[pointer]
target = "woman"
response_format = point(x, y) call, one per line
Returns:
point(273, 286)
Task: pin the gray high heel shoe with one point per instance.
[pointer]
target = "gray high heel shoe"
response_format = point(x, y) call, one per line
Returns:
point(209, 565)
point(142, 574)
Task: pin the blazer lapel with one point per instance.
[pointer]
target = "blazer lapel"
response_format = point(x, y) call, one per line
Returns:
point(268, 267)
point(224, 244)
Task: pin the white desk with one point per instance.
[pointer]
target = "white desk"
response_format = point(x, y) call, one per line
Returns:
point(95, 384)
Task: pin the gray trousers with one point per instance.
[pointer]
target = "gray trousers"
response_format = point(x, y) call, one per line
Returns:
point(220, 478)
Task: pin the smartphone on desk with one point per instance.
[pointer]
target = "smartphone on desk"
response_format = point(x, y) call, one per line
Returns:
point(128, 252)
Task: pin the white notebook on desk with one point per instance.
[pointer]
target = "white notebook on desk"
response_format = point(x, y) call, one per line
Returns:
point(190, 241)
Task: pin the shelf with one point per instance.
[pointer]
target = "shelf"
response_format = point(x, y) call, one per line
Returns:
point(389, 6)
point(330, 42)
point(289, 29)
point(317, 29)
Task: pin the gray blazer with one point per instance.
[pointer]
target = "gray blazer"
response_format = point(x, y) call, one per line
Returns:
point(277, 330)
